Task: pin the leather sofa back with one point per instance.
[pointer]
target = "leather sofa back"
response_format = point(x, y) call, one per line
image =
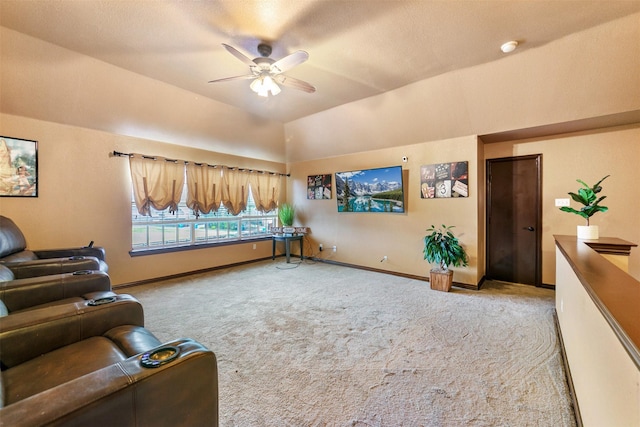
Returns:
point(11, 238)
point(20, 256)
point(6, 274)
point(21, 294)
point(61, 325)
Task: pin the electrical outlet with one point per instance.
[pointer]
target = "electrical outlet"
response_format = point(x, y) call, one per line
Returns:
point(562, 202)
point(335, 248)
point(321, 247)
point(254, 246)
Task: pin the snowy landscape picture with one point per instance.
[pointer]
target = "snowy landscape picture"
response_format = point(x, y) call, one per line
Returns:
point(370, 190)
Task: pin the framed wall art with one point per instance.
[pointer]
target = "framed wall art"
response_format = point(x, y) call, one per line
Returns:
point(18, 167)
point(444, 180)
point(370, 190)
point(319, 186)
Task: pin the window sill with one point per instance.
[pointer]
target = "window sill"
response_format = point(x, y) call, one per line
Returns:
point(182, 248)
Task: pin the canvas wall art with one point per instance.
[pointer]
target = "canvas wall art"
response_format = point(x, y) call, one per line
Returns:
point(18, 167)
point(319, 186)
point(370, 190)
point(444, 180)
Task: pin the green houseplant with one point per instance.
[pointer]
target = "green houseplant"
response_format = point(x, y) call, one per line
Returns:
point(286, 212)
point(443, 249)
point(587, 197)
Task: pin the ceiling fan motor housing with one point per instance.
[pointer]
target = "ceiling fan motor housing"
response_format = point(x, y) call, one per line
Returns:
point(264, 49)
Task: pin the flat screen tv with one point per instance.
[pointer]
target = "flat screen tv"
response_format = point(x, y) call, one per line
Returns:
point(370, 190)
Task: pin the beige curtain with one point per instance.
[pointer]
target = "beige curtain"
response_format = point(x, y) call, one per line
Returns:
point(204, 188)
point(157, 183)
point(235, 188)
point(265, 188)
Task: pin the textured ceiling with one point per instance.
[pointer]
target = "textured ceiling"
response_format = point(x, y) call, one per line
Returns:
point(357, 48)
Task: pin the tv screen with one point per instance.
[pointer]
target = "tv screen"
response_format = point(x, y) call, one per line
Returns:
point(370, 190)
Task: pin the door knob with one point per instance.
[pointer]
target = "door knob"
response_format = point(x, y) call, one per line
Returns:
point(528, 228)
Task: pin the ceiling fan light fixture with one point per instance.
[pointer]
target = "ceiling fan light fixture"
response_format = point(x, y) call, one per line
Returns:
point(275, 89)
point(267, 73)
point(263, 85)
point(256, 85)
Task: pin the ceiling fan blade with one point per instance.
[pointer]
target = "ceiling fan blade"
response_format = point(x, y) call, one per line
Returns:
point(294, 83)
point(289, 61)
point(241, 56)
point(228, 79)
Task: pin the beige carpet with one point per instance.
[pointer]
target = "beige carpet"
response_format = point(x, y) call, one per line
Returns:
point(321, 345)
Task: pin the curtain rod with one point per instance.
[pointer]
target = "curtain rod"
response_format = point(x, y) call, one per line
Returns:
point(119, 154)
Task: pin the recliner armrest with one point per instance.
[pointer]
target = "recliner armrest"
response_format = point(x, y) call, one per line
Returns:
point(181, 392)
point(28, 334)
point(94, 251)
point(47, 267)
point(23, 293)
point(132, 340)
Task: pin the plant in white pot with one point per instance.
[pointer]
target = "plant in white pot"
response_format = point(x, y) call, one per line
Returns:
point(443, 249)
point(587, 197)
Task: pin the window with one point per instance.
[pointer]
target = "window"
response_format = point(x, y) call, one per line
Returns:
point(182, 229)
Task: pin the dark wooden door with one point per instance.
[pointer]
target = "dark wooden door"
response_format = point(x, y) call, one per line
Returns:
point(514, 212)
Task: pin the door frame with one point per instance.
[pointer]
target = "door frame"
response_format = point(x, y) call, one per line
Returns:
point(538, 213)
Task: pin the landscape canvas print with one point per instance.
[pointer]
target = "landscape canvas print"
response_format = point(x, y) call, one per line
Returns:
point(370, 190)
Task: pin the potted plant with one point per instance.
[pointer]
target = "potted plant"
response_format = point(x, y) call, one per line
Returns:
point(587, 196)
point(443, 249)
point(286, 212)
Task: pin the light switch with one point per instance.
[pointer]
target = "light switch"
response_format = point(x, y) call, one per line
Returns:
point(562, 202)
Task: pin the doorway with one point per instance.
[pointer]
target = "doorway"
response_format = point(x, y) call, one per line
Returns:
point(514, 219)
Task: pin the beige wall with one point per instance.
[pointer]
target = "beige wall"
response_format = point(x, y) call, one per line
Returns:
point(588, 156)
point(578, 77)
point(44, 81)
point(80, 109)
point(365, 238)
point(98, 208)
point(86, 195)
point(589, 74)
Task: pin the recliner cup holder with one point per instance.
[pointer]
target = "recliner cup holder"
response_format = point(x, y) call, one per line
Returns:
point(82, 272)
point(159, 356)
point(101, 301)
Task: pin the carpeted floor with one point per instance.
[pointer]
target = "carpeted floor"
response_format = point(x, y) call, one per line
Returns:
point(314, 344)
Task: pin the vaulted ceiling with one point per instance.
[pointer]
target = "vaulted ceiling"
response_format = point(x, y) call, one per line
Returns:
point(357, 49)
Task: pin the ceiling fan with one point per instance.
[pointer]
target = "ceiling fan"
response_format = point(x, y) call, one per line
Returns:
point(267, 73)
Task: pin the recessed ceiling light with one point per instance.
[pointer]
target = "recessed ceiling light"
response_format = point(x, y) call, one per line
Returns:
point(509, 46)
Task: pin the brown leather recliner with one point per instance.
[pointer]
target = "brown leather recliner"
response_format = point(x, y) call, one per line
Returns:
point(42, 291)
point(30, 263)
point(77, 364)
